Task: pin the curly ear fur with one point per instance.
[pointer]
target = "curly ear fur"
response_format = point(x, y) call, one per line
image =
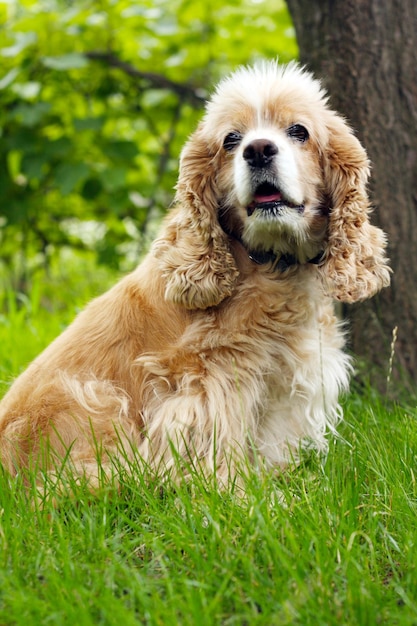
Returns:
point(198, 266)
point(355, 266)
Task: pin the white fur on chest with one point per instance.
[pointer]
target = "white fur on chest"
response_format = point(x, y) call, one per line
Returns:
point(304, 407)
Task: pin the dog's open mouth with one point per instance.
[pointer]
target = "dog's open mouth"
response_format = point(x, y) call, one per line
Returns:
point(270, 199)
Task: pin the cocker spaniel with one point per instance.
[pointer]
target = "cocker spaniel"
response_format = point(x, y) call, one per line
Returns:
point(223, 344)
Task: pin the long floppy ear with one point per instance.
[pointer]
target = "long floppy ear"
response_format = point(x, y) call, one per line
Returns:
point(354, 266)
point(197, 264)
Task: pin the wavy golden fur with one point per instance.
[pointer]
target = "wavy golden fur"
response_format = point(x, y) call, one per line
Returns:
point(223, 343)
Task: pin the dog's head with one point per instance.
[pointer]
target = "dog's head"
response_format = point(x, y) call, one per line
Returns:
point(273, 166)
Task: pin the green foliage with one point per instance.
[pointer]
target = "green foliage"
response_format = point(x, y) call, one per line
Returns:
point(29, 322)
point(96, 100)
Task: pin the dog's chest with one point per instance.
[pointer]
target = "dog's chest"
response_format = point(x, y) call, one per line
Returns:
point(262, 331)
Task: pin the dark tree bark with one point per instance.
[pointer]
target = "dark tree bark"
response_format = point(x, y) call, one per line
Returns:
point(365, 51)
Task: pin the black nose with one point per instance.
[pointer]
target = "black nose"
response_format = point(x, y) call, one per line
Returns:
point(260, 152)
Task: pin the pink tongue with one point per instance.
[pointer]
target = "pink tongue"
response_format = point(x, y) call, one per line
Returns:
point(275, 197)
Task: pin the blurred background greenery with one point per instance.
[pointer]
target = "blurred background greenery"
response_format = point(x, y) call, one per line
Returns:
point(96, 101)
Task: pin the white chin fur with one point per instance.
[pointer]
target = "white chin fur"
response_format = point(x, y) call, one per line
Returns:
point(278, 233)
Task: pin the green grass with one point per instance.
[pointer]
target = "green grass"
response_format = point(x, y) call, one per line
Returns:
point(28, 324)
point(333, 542)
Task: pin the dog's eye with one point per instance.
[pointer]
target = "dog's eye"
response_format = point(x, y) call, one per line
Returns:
point(232, 140)
point(298, 132)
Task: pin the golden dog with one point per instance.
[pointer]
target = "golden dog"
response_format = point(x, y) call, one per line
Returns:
point(223, 343)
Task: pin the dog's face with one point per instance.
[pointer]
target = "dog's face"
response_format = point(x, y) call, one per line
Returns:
point(270, 176)
point(274, 167)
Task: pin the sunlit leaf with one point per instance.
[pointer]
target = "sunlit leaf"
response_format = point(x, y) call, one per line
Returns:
point(22, 41)
point(27, 91)
point(9, 78)
point(70, 61)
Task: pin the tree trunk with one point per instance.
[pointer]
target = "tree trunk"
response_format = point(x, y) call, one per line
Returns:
point(365, 51)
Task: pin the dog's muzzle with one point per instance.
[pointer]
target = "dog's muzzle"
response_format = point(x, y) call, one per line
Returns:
point(270, 199)
point(267, 196)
